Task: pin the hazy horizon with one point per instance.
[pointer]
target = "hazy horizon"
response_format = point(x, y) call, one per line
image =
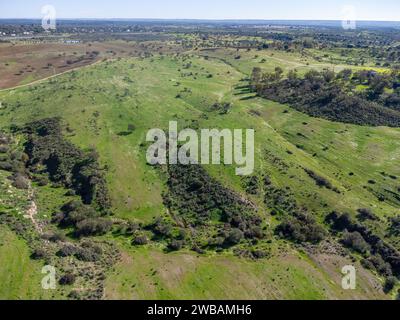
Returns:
point(190, 19)
point(268, 10)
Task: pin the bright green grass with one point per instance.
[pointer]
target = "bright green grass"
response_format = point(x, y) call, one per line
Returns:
point(143, 93)
point(269, 59)
point(97, 116)
point(20, 277)
point(150, 274)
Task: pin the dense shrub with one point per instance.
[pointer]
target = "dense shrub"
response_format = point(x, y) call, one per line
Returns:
point(67, 250)
point(67, 279)
point(221, 108)
point(176, 245)
point(366, 214)
point(259, 254)
point(39, 254)
point(4, 139)
point(89, 252)
point(235, 236)
point(65, 163)
point(85, 219)
point(339, 222)
point(75, 212)
point(6, 165)
point(355, 241)
point(197, 198)
point(93, 227)
point(57, 236)
point(161, 228)
point(301, 228)
point(379, 248)
point(19, 181)
point(318, 95)
point(140, 240)
point(131, 228)
point(319, 180)
point(41, 180)
point(252, 185)
point(4, 149)
point(389, 285)
point(395, 226)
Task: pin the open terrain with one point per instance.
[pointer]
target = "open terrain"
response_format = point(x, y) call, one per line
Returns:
point(27, 61)
point(110, 106)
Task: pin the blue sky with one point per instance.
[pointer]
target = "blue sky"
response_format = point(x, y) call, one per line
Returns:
point(205, 9)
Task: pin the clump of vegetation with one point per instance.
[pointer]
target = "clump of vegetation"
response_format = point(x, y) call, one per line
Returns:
point(221, 108)
point(210, 210)
point(198, 199)
point(49, 152)
point(378, 247)
point(356, 242)
point(321, 181)
point(389, 285)
point(19, 181)
point(140, 240)
point(322, 94)
point(298, 224)
point(12, 160)
point(366, 214)
point(301, 228)
point(252, 185)
point(395, 226)
point(83, 218)
point(67, 279)
point(376, 263)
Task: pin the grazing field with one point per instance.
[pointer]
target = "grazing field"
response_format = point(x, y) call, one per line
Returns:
point(132, 92)
point(151, 274)
point(100, 103)
point(20, 277)
point(245, 60)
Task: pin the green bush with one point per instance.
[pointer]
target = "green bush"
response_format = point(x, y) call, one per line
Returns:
point(19, 181)
point(67, 279)
point(176, 245)
point(4, 149)
point(234, 237)
point(6, 165)
point(389, 285)
point(301, 228)
point(65, 163)
point(140, 240)
point(93, 227)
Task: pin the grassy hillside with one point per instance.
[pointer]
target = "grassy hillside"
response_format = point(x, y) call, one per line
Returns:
point(20, 277)
point(151, 274)
point(100, 102)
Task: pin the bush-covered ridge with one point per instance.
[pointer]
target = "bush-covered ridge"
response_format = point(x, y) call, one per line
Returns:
point(215, 216)
point(81, 263)
point(49, 152)
point(199, 198)
point(378, 254)
point(333, 96)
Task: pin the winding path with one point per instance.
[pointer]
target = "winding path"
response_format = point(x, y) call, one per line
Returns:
point(32, 211)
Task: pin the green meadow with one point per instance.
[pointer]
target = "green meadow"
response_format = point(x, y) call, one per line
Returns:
point(99, 103)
